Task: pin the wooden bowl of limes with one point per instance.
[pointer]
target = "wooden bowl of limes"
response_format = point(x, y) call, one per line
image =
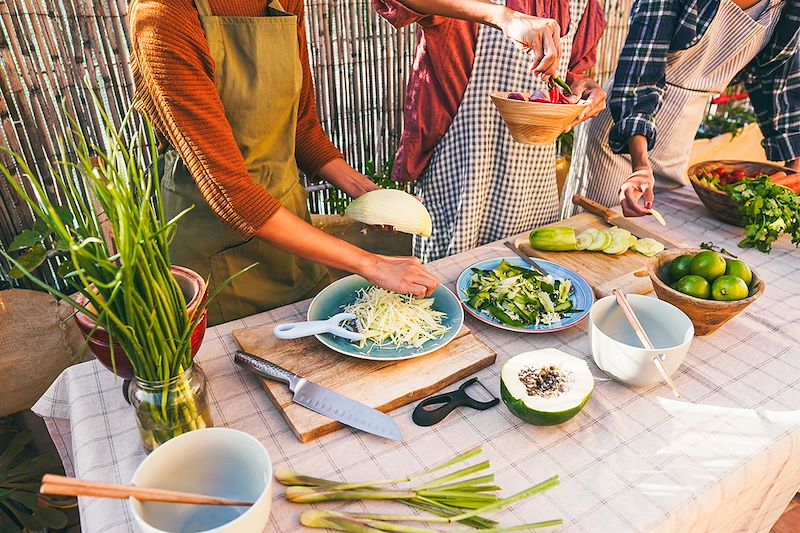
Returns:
point(711, 288)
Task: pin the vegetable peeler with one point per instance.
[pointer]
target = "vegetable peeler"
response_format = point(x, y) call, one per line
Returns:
point(457, 398)
point(296, 330)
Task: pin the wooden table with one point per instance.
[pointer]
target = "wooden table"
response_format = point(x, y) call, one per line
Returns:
point(725, 459)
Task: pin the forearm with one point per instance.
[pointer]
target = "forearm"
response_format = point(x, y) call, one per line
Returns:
point(794, 165)
point(345, 178)
point(481, 11)
point(637, 147)
point(287, 231)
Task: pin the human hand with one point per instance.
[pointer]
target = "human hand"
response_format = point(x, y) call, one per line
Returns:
point(401, 274)
point(539, 37)
point(639, 185)
point(589, 90)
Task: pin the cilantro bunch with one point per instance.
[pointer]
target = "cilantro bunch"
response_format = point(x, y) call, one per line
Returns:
point(768, 210)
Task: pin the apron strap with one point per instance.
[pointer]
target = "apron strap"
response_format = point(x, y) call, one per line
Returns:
point(202, 8)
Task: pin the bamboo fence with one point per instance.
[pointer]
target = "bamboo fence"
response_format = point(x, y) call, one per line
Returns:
point(49, 48)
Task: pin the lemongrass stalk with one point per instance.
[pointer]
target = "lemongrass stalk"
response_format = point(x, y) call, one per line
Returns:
point(313, 495)
point(288, 477)
point(391, 517)
point(455, 475)
point(396, 528)
point(469, 484)
point(514, 529)
point(326, 520)
point(450, 462)
point(499, 504)
point(441, 509)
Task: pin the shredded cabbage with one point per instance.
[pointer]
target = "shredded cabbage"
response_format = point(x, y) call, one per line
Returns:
point(389, 319)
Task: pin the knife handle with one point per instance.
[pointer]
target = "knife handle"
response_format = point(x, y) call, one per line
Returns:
point(594, 208)
point(264, 368)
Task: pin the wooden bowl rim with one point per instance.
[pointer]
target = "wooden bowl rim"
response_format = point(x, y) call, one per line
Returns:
point(503, 97)
point(653, 273)
point(691, 174)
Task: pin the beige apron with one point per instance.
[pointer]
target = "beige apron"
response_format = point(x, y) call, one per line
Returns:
point(693, 76)
point(258, 76)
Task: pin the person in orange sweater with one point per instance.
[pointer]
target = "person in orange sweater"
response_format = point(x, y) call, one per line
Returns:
point(227, 86)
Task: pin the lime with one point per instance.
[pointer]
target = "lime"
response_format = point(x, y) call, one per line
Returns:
point(679, 267)
point(738, 268)
point(708, 264)
point(694, 285)
point(728, 288)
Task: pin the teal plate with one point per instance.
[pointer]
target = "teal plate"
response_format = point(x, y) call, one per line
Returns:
point(343, 292)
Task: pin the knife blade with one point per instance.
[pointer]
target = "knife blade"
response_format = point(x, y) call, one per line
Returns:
point(613, 218)
point(533, 264)
point(321, 400)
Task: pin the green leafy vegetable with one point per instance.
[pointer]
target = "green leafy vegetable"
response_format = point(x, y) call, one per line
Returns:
point(519, 297)
point(768, 211)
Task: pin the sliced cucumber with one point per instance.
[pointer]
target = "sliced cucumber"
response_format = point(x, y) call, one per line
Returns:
point(648, 246)
point(619, 241)
point(601, 241)
point(586, 238)
point(658, 217)
point(632, 241)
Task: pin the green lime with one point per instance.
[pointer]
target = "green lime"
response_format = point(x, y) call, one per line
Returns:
point(738, 268)
point(708, 264)
point(728, 288)
point(679, 267)
point(694, 285)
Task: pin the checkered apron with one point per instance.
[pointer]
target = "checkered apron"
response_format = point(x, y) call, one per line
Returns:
point(480, 185)
point(694, 75)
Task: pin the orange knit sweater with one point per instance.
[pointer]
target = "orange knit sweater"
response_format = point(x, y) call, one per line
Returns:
point(174, 76)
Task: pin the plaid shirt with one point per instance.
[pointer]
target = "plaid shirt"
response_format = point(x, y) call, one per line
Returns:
point(662, 26)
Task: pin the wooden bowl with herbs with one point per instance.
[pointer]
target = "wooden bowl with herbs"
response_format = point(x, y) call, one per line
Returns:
point(708, 178)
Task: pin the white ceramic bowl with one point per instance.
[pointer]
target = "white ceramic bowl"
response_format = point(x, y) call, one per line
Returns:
point(617, 350)
point(214, 461)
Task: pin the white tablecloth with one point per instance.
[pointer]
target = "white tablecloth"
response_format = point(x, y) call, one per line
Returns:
point(724, 459)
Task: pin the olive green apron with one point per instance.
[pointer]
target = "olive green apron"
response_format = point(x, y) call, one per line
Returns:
point(258, 76)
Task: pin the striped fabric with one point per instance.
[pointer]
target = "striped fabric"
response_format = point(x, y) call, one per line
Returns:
point(692, 76)
point(660, 28)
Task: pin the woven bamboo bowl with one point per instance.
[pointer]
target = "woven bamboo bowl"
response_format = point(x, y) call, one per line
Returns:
point(718, 202)
point(535, 122)
point(706, 315)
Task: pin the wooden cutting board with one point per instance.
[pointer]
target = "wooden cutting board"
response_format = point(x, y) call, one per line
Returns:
point(602, 271)
point(382, 385)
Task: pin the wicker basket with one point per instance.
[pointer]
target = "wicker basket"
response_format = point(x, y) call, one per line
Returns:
point(535, 122)
point(718, 202)
point(706, 315)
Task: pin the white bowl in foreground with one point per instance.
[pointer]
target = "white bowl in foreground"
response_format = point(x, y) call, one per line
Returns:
point(216, 462)
point(619, 352)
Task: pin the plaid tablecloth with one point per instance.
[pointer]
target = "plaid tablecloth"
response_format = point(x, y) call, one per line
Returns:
point(726, 458)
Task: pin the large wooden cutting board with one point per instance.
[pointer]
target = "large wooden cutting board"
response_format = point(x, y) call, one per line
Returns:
point(382, 385)
point(604, 272)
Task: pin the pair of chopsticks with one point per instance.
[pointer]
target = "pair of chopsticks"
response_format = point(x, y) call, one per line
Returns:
point(67, 486)
point(637, 327)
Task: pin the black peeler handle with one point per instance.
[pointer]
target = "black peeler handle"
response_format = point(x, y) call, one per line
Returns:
point(449, 401)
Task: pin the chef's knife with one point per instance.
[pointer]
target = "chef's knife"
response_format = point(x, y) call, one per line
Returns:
point(322, 400)
point(613, 218)
point(533, 264)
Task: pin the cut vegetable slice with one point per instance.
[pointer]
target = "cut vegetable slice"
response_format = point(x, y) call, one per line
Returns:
point(632, 241)
point(545, 387)
point(648, 246)
point(601, 241)
point(586, 238)
point(657, 216)
point(619, 241)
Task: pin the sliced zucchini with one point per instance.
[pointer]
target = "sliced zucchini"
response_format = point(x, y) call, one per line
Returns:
point(648, 246)
point(619, 241)
point(586, 238)
point(601, 241)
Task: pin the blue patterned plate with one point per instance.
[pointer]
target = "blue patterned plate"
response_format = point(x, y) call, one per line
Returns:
point(582, 296)
point(343, 292)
